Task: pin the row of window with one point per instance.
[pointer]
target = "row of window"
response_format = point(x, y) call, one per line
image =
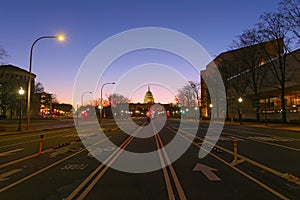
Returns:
point(292, 101)
point(14, 76)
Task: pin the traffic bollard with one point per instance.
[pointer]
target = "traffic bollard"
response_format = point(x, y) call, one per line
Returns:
point(235, 150)
point(41, 144)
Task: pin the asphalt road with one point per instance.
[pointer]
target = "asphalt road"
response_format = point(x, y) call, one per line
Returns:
point(91, 164)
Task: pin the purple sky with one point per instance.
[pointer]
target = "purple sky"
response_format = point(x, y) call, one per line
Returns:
point(213, 24)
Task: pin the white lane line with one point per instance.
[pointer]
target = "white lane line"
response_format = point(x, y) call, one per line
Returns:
point(35, 134)
point(48, 167)
point(226, 129)
point(273, 144)
point(3, 177)
point(9, 153)
point(29, 141)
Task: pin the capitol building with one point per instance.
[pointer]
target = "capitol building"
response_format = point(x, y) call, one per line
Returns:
point(142, 109)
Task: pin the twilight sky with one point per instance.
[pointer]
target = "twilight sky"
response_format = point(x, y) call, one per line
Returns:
point(213, 24)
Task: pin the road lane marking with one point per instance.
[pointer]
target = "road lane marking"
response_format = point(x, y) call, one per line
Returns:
point(22, 159)
point(165, 172)
point(264, 142)
point(100, 170)
point(46, 168)
point(227, 129)
point(74, 167)
point(269, 139)
point(11, 152)
point(294, 179)
point(207, 171)
point(160, 148)
point(3, 177)
point(237, 169)
point(60, 132)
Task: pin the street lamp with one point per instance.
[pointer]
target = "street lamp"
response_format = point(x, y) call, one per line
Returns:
point(101, 106)
point(210, 108)
point(240, 110)
point(81, 103)
point(21, 93)
point(58, 37)
point(83, 95)
point(77, 114)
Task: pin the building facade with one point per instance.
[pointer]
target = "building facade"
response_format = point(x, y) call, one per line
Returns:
point(11, 79)
point(251, 77)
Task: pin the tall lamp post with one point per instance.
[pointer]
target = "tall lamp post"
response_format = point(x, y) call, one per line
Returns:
point(101, 106)
point(240, 110)
point(83, 95)
point(60, 38)
point(21, 92)
point(82, 102)
point(210, 108)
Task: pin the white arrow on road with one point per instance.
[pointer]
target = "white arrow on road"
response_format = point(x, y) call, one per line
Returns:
point(3, 177)
point(8, 153)
point(207, 171)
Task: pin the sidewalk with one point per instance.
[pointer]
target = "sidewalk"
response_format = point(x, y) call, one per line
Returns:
point(277, 126)
point(8, 127)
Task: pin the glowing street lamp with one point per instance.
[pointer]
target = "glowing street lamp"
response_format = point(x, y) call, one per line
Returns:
point(240, 100)
point(101, 105)
point(209, 111)
point(240, 110)
point(21, 93)
point(58, 37)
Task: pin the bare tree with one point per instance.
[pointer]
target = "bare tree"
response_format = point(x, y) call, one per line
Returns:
point(3, 55)
point(39, 88)
point(117, 99)
point(290, 10)
point(196, 88)
point(252, 57)
point(54, 99)
point(273, 27)
point(233, 74)
point(188, 95)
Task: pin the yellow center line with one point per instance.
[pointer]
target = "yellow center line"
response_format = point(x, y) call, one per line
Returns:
point(165, 172)
point(171, 168)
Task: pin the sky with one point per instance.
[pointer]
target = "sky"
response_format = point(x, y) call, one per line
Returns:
point(86, 24)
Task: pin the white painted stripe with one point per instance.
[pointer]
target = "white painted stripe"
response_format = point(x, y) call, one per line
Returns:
point(3, 177)
point(11, 152)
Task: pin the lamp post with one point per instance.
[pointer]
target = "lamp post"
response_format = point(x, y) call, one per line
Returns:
point(240, 110)
point(21, 92)
point(77, 114)
point(101, 106)
point(210, 107)
point(82, 101)
point(196, 90)
point(83, 95)
point(60, 38)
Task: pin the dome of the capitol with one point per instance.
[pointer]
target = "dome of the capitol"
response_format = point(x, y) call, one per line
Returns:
point(149, 97)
